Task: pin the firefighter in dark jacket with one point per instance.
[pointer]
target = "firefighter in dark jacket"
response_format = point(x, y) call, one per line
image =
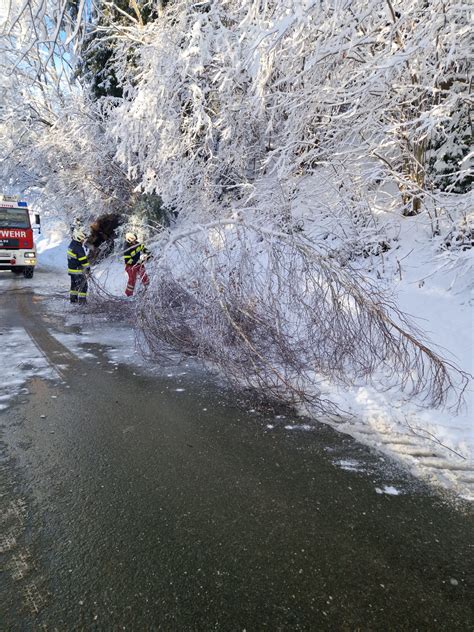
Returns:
point(78, 267)
point(135, 255)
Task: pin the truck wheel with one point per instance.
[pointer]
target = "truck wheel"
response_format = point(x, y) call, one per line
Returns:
point(28, 273)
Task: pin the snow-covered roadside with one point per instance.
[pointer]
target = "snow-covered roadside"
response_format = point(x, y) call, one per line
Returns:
point(111, 276)
point(433, 444)
point(434, 289)
point(51, 245)
point(20, 358)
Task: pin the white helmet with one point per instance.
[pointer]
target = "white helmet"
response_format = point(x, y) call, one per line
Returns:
point(79, 234)
point(130, 237)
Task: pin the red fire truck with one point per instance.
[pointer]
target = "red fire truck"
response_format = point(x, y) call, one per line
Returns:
point(17, 249)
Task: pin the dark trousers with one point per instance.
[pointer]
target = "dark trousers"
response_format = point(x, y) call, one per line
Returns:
point(78, 291)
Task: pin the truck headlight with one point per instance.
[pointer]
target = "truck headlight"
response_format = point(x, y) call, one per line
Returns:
point(30, 255)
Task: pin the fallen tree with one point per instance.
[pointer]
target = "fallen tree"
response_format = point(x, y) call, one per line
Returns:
point(276, 313)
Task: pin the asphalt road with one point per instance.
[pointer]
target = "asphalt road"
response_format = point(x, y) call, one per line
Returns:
point(130, 505)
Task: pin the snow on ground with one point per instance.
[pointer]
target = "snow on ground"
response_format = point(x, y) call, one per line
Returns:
point(51, 245)
point(20, 358)
point(112, 276)
point(437, 444)
point(119, 342)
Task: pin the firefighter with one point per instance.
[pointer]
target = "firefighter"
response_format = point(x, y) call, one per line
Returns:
point(78, 267)
point(135, 255)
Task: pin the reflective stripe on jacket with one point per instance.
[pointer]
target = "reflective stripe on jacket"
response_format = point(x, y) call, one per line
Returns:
point(132, 254)
point(77, 262)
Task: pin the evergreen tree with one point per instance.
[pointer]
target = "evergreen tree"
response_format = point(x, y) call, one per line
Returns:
point(96, 68)
point(449, 165)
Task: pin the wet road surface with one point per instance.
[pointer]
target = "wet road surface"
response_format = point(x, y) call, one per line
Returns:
point(130, 505)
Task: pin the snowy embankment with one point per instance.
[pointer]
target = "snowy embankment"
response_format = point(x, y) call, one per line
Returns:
point(433, 286)
point(51, 247)
point(435, 443)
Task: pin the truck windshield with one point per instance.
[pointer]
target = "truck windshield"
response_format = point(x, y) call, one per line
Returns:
point(14, 218)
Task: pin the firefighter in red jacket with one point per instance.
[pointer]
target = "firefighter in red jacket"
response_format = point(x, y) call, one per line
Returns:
point(134, 256)
point(78, 267)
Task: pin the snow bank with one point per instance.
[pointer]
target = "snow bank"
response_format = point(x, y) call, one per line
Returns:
point(111, 276)
point(434, 287)
point(51, 244)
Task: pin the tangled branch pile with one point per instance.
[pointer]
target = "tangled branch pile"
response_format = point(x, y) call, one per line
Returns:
point(275, 314)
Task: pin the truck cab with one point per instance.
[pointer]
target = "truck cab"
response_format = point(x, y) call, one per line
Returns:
point(17, 249)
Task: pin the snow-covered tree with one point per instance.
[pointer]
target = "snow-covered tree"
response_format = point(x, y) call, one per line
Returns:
point(53, 140)
point(225, 93)
point(202, 101)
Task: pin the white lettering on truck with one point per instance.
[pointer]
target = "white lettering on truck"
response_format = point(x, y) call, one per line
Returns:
point(12, 234)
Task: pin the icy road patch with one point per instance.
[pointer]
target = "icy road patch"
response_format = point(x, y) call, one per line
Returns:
point(20, 360)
